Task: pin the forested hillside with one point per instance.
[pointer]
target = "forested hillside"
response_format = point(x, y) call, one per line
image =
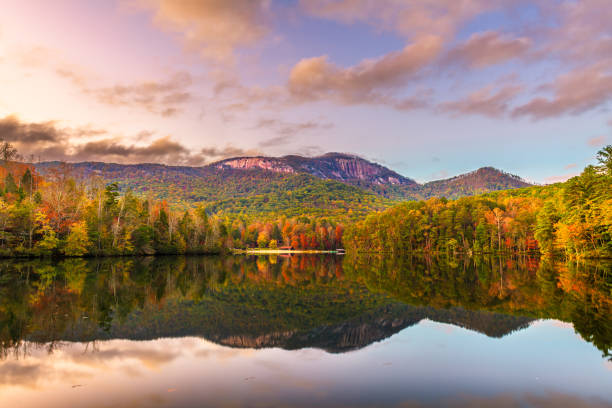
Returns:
point(572, 218)
point(69, 213)
point(79, 210)
point(483, 180)
point(220, 183)
point(303, 195)
point(255, 193)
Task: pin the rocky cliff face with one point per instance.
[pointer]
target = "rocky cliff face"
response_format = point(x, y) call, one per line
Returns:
point(228, 179)
point(264, 163)
point(333, 166)
point(354, 170)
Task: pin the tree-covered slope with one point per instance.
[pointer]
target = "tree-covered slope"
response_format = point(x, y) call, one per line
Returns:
point(252, 192)
point(303, 195)
point(573, 218)
point(480, 181)
point(292, 185)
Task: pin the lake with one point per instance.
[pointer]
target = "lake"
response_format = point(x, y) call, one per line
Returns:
point(304, 331)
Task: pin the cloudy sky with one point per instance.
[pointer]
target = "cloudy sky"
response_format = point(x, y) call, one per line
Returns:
point(430, 88)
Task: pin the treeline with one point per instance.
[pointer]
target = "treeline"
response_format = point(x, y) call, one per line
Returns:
point(297, 233)
point(61, 214)
point(64, 213)
point(572, 218)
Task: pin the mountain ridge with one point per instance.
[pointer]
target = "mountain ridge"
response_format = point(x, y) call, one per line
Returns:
point(332, 183)
point(259, 162)
point(334, 166)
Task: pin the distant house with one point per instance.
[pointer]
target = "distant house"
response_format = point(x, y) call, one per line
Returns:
point(286, 248)
point(340, 250)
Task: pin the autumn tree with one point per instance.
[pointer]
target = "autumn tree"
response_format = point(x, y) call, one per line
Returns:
point(77, 242)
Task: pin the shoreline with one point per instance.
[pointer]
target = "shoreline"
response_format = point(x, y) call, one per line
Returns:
point(283, 251)
point(106, 255)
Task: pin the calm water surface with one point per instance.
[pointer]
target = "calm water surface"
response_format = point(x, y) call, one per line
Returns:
point(305, 331)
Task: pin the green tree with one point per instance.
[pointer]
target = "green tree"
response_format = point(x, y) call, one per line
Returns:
point(604, 157)
point(482, 235)
point(27, 183)
point(162, 232)
point(9, 184)
point(142, 240)
point(111, 196)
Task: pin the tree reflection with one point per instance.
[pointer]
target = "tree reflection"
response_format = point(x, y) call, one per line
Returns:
point(292, 302)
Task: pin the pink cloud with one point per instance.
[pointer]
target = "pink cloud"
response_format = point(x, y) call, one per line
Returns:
point(212, 27)
point(560, 178)
point(488, 48)
point(411, 19)
point(369, 81)
point(582, 32)
point(575, 92)
point(484, 101)
point(220, 29)
point(166, 97)
point(50, 141)
point(597, 141)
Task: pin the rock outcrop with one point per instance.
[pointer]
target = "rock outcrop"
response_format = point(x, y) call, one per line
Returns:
point(333, 166)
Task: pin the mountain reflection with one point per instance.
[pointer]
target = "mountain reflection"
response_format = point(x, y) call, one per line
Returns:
point(332, 303)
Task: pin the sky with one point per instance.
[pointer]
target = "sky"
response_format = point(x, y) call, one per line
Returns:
point(428, 88)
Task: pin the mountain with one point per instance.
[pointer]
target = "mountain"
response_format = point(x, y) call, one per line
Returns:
point(253, 192)
point(342, 167)
point(354, 170)
point(480, 181)
point(334, 184)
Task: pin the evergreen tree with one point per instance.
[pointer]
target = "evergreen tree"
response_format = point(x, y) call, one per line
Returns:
point(9, 184)
point(27, 183)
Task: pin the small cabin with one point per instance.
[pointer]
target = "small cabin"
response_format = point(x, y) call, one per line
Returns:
point(339, 250)
point(286, 248)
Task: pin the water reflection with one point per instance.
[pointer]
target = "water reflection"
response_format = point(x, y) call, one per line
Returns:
point(259, 331)
point(578, 293)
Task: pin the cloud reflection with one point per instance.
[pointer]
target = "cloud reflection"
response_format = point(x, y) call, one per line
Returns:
point(192, 372)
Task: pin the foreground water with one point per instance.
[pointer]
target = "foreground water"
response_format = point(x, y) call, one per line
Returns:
point(305, 331)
